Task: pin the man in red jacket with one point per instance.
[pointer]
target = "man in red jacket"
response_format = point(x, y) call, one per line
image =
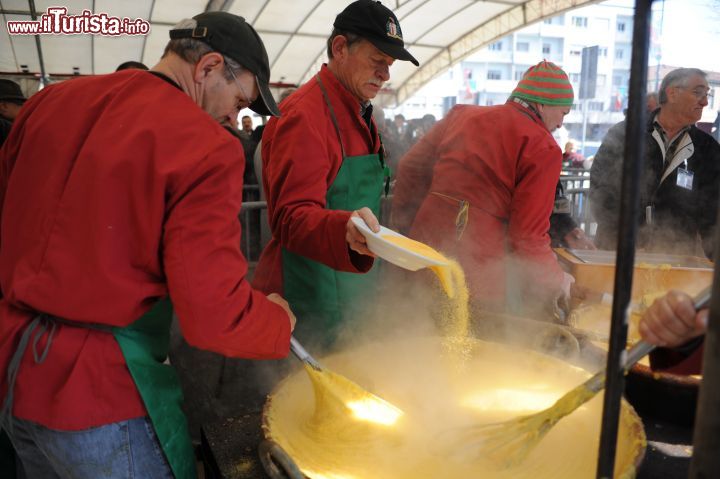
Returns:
point(106, 219)
point(322, 164)
point(480, 187)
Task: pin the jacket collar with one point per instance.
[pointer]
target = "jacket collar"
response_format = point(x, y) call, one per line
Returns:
point(338, 90)
point(342, 98)
point(527, 109)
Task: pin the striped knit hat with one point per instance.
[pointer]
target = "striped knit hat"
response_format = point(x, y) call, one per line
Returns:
point(545, 83)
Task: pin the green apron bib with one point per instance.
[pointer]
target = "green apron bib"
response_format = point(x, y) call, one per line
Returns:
point(322, 298)
point(145, 344)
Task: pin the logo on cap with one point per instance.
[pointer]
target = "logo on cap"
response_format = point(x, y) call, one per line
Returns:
point(393, 29)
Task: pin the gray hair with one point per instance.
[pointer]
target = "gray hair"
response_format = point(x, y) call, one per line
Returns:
point(192, 50)
point(351, 38)
point(677, 77)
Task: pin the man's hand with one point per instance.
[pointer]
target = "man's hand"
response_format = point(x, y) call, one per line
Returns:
point(355, 239)
point(277, 299)
point(567, 283)
point(672, 321)
point(576, 239)
point(561, 303)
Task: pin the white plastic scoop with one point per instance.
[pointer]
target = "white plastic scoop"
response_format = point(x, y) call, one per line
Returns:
point(388, 245)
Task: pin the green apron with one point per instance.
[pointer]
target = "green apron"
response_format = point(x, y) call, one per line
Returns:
point(144, 345)
point(322, 298)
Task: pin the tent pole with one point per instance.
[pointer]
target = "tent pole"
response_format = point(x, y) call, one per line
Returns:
point(633, 160)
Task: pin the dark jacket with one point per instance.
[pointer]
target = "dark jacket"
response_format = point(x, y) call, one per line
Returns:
point(5, 127)
point(561, 220)
point(679, 214)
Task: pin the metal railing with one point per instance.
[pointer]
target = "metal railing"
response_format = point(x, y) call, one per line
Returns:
point(576, 183)
point(256, 230)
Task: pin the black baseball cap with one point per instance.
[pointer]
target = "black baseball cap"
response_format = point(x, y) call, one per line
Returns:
point(231, 35)
point(376, 23)
point(10, 91)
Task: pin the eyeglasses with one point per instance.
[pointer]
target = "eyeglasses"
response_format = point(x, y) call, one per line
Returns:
point(247, 101)
point(700, 92)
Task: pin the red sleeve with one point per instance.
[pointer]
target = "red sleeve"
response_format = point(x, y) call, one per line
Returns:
point(414, 177)
point(670, 361)
point(216, 307)
point(530, 208)
point(302, 165)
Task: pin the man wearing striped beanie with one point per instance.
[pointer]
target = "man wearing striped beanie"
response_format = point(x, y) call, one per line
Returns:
point(480, 187)
point(545, 90)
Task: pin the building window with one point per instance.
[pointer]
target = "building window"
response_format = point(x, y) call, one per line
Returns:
point(617, 80)
point(602, 51)
point(580, 22)
point(489, 102)
point(497, 46)
point(519, 74)
point(619, 53)
point(558, 20)
point(494, 75)
point(620, 26)
point(522, 46)
point(546, 49)
point(575, 51)
point(601, 23)
point(595, 106)
point(574, 77)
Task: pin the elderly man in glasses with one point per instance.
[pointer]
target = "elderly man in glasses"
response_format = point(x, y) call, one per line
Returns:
point(681, 173)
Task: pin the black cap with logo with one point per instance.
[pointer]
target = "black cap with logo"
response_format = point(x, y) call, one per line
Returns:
point(376, 23)
point(231, 35)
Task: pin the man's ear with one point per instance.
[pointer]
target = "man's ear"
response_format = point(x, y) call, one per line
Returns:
point(671, 93)
point(339, 47)
point(207, 64)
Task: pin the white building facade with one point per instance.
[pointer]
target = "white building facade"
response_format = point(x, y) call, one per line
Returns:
point(488, 76)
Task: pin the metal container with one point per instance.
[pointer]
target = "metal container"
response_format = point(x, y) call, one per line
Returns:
point(440, 397)
point(595, 271)
point(665, 396)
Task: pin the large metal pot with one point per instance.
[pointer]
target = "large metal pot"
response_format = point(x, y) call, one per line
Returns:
point(665, 396)
point(439, 399)
point(661, 395)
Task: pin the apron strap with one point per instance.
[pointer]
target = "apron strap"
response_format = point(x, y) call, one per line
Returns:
point(14, 365)
point(42, 324)
point(332, 114)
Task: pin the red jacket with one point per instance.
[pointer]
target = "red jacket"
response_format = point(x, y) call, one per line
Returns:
point(115, 191)
point(301, 157)
point(671, 361)
point(504, 162)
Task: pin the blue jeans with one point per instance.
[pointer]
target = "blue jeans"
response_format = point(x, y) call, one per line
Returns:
point(122, 450)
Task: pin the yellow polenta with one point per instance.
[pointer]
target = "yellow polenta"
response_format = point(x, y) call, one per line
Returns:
point(499, 383)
